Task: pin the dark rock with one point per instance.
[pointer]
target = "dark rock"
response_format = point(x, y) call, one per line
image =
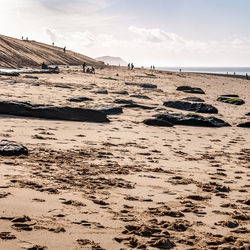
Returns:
point(192, 120)
point(140, 97)
point(123, 101)
point(102, 91)
point(30, 77)
point(135, 105)
point(234, 96)
point(157, 122)
point(109, 110)
point(244, 125)
point(188, 89)
point(52, 112)
point(231, 100)
point(142, 85)
point(8, 148)
point(79, 99)
point(248, 113)
point(193, 99)
point(9, 73)
point(196, 107)
point(121, 92)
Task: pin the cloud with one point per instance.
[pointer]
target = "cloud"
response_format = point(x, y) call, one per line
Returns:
point(76, 6)
point(155, 35)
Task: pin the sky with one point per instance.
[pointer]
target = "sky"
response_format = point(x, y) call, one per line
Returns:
point(145, 32)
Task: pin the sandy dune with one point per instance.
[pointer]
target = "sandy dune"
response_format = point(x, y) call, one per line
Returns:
point(124, 185)
point(15, 53)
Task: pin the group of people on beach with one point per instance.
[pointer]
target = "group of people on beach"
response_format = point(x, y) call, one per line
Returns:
point(131, 66)
point(88, 70)
point(152, 67)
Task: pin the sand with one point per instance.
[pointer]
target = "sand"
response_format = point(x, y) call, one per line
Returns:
point(124, 185)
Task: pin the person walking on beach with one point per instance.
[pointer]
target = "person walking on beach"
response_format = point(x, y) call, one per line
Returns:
point(64, 49)
point(129, 66)
point(84, 67)
point(132, 66)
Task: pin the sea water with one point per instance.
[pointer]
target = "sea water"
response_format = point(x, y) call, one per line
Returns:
point(213, 70)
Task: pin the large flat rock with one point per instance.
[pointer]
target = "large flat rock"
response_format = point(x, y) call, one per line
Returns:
point(192, 120)
point(52, 112)
point(231, 100)
point(195, 107)
point(191, 90)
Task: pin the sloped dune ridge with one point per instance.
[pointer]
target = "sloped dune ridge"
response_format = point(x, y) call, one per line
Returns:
point(15, 53)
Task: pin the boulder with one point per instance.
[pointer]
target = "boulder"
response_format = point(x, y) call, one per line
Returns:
point(8, 148)
point(123, 101)
point(52, 112)
point(157, 122)
point(231, 100)
point(79, 99)
point(244, 125)
point(192, 90)
point(142, 85)
point(101, 91)
point(120, 92)
point(196, 107)
point(192, 120)
point(193, 99)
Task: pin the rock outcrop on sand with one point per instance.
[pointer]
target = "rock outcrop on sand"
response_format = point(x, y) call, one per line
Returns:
point(191, 90)
point(8, 148)
point(244, 125)
point(142, 85)
point(79, 99)
point(157, 122)
point(248, 113)
point(188, 120)
point(195, 107)
point(231, 99)
point(52, 112)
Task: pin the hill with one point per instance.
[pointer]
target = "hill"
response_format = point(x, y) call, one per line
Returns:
point(112, 60)
point(15, 53)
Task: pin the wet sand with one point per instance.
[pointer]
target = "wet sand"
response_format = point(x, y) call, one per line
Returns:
point(123, 184)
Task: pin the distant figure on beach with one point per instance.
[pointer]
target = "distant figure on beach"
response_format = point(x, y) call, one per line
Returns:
point(153, 67)
point(27, 39)
point(44, 66)
point(180, 70)
point(64, 49)
point(88, 70)
point(246, 76)
point(92, 70)
point(132, 66)
point(129, 66)
point(84, 67)
point(22, 37)
point(53, 44)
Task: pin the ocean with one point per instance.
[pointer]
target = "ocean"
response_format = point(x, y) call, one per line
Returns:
point(215, 70)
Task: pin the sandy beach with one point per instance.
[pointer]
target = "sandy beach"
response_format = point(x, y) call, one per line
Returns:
point(124, 184)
